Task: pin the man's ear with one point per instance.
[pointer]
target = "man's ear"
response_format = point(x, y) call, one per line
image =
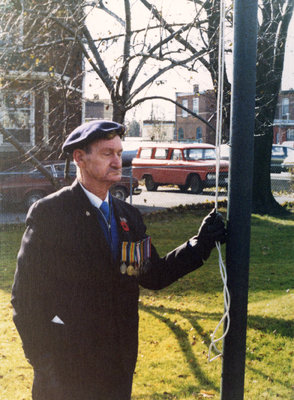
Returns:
point(78, 156)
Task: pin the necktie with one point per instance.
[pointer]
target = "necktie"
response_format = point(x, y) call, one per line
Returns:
point(110, 229)
point(105, 210)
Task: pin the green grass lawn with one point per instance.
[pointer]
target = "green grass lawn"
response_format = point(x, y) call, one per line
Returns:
point(176, 323)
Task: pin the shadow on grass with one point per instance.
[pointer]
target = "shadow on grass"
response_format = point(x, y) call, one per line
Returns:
point(183, 340)
point(267, 325)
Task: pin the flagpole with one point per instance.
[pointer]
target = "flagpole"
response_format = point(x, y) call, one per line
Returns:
point(240, 194)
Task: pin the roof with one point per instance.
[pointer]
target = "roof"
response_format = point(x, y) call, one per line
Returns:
point(178, 145)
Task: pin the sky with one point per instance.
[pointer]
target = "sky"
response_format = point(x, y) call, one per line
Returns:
point(176, 80)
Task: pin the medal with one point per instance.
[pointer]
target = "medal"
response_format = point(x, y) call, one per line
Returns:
point(131, 270)
point(123, 268)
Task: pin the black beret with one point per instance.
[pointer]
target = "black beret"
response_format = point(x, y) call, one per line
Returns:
point(90, 131)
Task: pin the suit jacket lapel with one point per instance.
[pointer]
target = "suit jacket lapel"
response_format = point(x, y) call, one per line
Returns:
point(88, 213)
point(124, 232)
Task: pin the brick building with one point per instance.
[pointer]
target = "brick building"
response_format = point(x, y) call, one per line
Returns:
point(189, 127)
point(284, 118)
point(41, 86)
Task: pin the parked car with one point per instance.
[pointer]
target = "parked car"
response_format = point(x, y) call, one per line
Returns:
point(279, 153)
point(288, 143)
point(185, 165)
point(288, 163)
point(127, 157)
point(225, 151)
point(27, 184)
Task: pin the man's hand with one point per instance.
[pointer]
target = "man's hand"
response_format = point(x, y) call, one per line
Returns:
point(211, 230)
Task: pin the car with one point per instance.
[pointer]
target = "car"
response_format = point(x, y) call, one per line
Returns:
point(26, 184)
point(225, 151)
point(189, 166)
point(279, 153)
point(127, 157)
point(288, 143)
point(288, 163)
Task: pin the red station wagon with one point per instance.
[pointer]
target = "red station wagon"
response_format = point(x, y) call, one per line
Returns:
point(186, 165)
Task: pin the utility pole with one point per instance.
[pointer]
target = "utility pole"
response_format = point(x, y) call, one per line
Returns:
point(240, 194)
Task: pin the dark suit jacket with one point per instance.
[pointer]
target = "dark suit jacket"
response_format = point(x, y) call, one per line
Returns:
point(65, 269)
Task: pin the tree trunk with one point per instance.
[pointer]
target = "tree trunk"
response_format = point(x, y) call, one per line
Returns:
point(119, 111)
point(263, 201)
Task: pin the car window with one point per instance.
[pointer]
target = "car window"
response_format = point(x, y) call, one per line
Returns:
point(59, 167)
point(277, 151)
point(209, 154)
point(193, 154)
point(146, 153)
point(161, 154)
point(72, 169)
point(176, 155)
point(199, 154)
point(35, 171)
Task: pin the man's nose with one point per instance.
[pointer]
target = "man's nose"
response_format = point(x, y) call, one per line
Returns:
point(117, 160)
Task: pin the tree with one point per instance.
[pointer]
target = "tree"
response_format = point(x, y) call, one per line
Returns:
point(274, 19)
point(272, 35)
point(134, 129)
point(41, 80)
point(128, 61)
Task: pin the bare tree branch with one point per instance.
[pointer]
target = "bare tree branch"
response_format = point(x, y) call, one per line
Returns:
point(139, 101)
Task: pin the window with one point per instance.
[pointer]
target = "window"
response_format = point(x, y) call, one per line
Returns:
point(184, 104)
point(146, 153)
point(209, 154)
point(285, 107)
point(161, 154)
point(181, 134)
point(193, 154)
point(199, 134)
point(17, 114)
point(176, 155)
point(199, 154)
point(196, 105)
point(290, 134)
point(277, 151)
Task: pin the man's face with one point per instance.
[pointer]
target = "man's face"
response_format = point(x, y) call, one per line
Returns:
point(102, 165)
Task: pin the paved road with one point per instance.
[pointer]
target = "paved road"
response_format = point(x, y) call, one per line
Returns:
point(166, 197)
point(163, 198)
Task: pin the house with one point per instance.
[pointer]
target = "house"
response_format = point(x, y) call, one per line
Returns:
point(284, 118)
point(98, 109)
point(41, 85)
point(188, 127)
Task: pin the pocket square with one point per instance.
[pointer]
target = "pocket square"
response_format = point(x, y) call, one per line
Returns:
point(57, 320)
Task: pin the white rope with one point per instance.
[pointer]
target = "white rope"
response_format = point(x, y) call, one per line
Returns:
point(226, 316)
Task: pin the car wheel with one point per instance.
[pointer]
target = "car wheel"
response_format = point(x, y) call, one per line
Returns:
point(149, 183)
point(119, 192)
point(32, 197)
point(196, 184)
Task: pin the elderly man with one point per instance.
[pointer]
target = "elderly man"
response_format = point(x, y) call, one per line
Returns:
point(81, 261)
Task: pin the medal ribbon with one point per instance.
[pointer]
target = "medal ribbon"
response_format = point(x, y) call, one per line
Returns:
point(135, 253)
point(124, 247)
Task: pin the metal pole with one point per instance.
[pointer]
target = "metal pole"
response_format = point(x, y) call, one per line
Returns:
point(240, 192)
